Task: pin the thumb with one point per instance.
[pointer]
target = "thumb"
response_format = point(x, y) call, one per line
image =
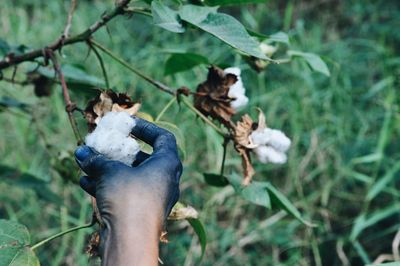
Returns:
point(93, 163)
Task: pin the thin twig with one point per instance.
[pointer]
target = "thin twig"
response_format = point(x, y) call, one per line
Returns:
point(69, 19)
point(69, 106)
point(156, 83)
point(202, 116)
point(167, 106)
point(224, 145)
point(101, 62)
point(61, 234)
point(83, 36)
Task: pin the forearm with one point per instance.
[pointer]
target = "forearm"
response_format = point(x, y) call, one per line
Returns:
point(132, 237)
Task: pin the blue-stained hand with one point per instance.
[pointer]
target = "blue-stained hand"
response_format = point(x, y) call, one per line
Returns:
point(154, 176)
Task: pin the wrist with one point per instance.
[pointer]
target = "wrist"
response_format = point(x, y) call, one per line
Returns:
point(132, 231)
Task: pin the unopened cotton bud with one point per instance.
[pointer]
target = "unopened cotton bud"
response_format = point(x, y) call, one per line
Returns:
point(111, 137)
point(267, 49)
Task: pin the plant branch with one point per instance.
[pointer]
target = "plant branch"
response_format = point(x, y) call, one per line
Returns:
point(41, 243)
point(11, 60)
point(69, 19)
point(69, 106)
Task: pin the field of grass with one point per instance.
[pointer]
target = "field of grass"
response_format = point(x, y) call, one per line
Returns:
point(343, 171)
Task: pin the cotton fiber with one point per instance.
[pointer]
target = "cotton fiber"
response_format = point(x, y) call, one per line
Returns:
point(272, 145)
point(237, 90)
point(111, 137)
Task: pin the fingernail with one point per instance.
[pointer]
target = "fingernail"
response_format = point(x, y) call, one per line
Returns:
point(82, 152)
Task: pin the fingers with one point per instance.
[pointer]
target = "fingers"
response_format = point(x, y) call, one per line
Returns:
point(93, 163)
point(88, 184)
point(162, 140)
point(140, 157)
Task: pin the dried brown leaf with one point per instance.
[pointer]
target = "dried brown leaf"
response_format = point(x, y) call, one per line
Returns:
point(93, 247)
point(181, 212)
point(104, 105)
point(131, 111)
point(108, 101)
point(243, 129)
point(163, 237)
point(248, 169)
point(244, 143)
point(212, 95)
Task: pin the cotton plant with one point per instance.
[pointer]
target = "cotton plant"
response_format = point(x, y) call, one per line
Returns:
point(221, 96)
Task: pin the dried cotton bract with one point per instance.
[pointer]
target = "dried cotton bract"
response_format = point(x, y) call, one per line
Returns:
point(237, 90)
point(269, 145)
point(111, 137)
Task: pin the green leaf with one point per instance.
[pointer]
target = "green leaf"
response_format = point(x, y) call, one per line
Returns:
point(381, 184)
point(385, 264)
point(15, 177)
point(280, 36)
point(4, 47)
point(14, 241)
point(199, 229)
point(222, 26)
point(196, 14)
point(280, 200)
point(363, 222)
point(7, 102)
point(232, 2)
point(256, 193)
point(314, 61)
point(236, 181)
point(215, 180)
point(166, 18)
point(179, 62)
point(180, 139)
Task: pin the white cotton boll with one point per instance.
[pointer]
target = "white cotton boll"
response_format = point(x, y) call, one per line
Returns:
point(261, 137)
point(120, 121)
point(268, 154)
point(240, 102)
point(279, 141)
point(111, 137)
point(272, 137)
point(233, 70)
point(237, 90)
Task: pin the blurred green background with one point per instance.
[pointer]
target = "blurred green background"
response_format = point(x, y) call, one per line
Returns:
point(343, 168)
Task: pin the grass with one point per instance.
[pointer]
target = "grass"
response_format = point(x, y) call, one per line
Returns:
point(343, 168)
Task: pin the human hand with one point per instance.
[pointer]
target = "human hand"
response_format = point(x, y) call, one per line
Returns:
point(133, 202)
point(156, 175)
